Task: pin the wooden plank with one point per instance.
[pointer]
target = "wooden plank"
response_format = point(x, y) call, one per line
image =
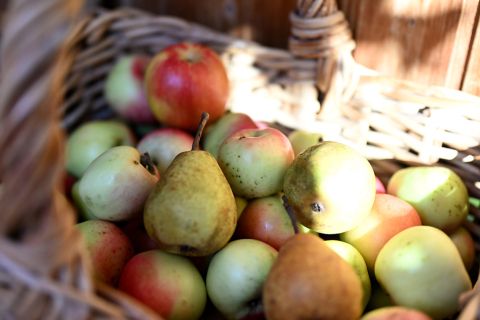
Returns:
point(425, 41)
point(471, 81)
point(263, 21)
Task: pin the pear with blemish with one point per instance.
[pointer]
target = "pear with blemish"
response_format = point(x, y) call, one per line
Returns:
point(330, 187)
point(191, 210)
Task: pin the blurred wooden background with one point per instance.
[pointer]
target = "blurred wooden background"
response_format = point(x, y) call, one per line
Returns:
point(428, 41)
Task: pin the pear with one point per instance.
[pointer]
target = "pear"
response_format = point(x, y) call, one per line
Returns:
point(330, 187)
point(438, 194)
point(191, 210)
point(421, 268)
point(309, 280)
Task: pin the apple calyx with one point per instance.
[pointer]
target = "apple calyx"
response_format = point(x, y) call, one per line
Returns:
point(147, 163)
point(198, 135)
point(291, 214)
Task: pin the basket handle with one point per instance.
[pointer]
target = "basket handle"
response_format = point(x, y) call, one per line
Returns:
point(320, 31)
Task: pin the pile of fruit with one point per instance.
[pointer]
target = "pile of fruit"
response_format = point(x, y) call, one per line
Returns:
point(240, 221)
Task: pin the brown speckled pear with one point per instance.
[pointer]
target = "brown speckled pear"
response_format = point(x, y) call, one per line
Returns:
point(191, 210)
point(310, 281)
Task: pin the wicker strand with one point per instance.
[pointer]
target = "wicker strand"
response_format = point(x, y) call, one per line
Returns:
point(43, 269)
point(320, 31)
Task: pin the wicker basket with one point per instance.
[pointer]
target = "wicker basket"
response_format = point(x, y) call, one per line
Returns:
point(53, 70)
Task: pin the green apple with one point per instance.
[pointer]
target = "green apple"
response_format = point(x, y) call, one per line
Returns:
point(108, 247)
point(116, 185)
point(437, 193)
point(301, 140)
point(223, 128)
point(421, 268)
point(167, 283)
point(355, 259)
point(92, 139)
point(82, 209)
point(236, 275)
point(254, 161)
point(164, 144)
point(124, 90)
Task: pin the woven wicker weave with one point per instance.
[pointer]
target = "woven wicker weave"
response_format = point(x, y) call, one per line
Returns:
point(53, 71)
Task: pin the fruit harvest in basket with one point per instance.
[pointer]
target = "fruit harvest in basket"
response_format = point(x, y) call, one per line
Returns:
point(209, 182)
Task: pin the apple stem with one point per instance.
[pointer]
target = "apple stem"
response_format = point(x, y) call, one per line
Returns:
point(291, 214)
point(201, 126)
point(146, 161)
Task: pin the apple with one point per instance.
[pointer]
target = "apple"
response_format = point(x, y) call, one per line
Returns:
point(92, 139)
point(84, 213)
point(254, 161)
point(223, 128)
point(124, 90)
point(164, 144)
point(395, 312)
point(466, 246)
point(266, 220)
point(437, 193)
point(136, 232)
point(379, 185)
point(235, 278)
point(354, 259)
point(116, 185)
point(108, 247)
point(388, 216)
point(301, 140)
point(183, 81)
point(167, 283)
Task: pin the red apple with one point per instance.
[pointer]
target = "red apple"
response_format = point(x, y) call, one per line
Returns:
point(135, 231)
point(395, 313)
point(125, 92)
point(164, 144)
point(380, 186)
point(466, 246)
point(109, 249)
point(266, 220)
point(183, 81)
point(168, 283)
point(388, 216)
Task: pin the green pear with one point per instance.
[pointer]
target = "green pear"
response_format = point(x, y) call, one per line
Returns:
point(223, 128)
point(437, 193)
point(330, 187)
point(355, 259)
point(308, 280)
point(421, 268)
point(191, 210)
point(301, 140)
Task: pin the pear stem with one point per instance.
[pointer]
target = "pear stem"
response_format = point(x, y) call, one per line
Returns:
point(201, 126)
point(291, 214)
point(147, 163)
